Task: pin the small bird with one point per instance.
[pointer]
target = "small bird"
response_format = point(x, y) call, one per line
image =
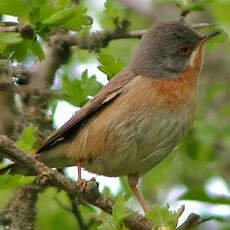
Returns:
point(140, 116)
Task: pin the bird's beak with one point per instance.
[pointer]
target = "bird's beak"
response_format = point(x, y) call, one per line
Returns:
point(208, 36)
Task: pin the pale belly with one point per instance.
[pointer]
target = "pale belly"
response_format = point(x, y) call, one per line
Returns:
point(136, 144)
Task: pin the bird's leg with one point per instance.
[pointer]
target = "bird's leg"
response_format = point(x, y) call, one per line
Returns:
point(133, 180)
point(82, 182)
point(79, 164)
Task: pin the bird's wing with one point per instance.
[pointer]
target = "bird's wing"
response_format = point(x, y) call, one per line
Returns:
point(113, 89)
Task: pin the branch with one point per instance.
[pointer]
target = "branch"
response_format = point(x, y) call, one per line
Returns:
point(77, 213)
point(48, 176)
point(100, 39)
point(26, 31)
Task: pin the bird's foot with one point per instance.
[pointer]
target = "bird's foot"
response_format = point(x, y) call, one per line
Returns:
point(83, 184)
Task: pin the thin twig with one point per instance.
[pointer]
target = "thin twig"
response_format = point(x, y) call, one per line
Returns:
point(26, 31)
point(77, 213)
point(193, 220)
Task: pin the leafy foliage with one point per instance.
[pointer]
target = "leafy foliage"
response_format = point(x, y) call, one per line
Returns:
point(119, 214)
point(162, 218)
point(27, 140)
point(43, 17)
point(11, 182)
point(17, 8)
point(109, 66)
point(78, 90)
point(113, 14)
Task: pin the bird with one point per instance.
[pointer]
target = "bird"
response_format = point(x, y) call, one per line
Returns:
point(140, 116)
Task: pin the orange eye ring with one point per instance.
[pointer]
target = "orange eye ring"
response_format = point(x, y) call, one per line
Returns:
point(184, 50)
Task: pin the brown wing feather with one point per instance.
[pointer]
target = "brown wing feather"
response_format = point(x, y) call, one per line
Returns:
point(113, 89)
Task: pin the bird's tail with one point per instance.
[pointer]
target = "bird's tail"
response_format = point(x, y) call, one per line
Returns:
point(54, 158)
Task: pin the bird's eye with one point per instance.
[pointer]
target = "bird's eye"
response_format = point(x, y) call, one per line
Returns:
point(184, 50)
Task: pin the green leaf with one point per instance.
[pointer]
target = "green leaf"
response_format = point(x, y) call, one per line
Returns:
point(199, 194)
point(60, 17)
point(39, 13)
point(10, 38)
point(37, 50)
point(78, 90)
point(73, 91)
point(125, 186)
point(90, 84)
point(9, 182)
point(109, 66)
point(162, 218)
point(112, 14)
point(119, 214)
point(19, 50)
point(80, 19)
point(17, 8)
point(27, 140)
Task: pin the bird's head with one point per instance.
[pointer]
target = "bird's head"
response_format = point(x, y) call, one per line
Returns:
point(168, 49)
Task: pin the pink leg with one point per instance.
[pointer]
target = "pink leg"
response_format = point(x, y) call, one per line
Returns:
point(79, 164)
point(133, 180)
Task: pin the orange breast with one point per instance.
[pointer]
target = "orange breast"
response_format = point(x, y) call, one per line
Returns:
point(176, 92)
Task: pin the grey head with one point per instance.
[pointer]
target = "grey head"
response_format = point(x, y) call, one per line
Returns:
point(165, 51)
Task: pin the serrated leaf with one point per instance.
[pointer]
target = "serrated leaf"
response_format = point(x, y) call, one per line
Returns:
point(112, 13)
point(27, 140)
point(17, 8)
point(73, 91)
point(119, 214)
point(10, 38)
point(78, 90)
point(109, 66)
point(10, 182)
point(79, 20)
point(162, 218)
point(90, 84)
